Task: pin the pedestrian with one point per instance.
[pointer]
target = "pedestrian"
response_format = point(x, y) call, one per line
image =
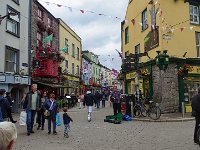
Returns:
point(4, 105)
point(196, 113)
point(10, 103)
point(66, 121)
point(89, 101)
point(104, 97)
point(81, 100)
point(114, 98)
point(31, 104)
point(52, 107)
point(8, 135)
point(97, 98)
point(40, 113)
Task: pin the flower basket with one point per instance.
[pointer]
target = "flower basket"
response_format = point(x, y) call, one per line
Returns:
point(144, 73)
point(185, 69)
point(41, 26)
point(50, 30)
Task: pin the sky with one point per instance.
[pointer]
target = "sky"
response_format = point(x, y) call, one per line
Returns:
point(100, 34)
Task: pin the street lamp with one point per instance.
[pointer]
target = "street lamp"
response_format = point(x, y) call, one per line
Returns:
point(9, 14)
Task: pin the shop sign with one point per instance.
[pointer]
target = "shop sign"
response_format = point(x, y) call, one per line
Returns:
point(2, 78)
point(195, 70)
point(71, 78)
point(130, 75)
point(21, 80)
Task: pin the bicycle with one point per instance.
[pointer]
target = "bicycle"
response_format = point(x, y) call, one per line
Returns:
point(151, 110)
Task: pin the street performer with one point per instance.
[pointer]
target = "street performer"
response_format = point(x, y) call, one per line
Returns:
point(114, 98)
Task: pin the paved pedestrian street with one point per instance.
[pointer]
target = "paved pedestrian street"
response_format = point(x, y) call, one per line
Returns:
point(100, 135)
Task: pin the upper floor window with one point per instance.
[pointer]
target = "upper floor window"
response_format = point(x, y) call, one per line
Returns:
point(153, 17)
point(13, 22)
point(73, 50)
point(39, 14)
point(39, 39)
point(66, 45)
point(77, 71)
point(72, 68)
point(78, 53)
point(66, 64)
point(49, 22)
point(194, 14)
point(137, 50)
point(198, 43)
point(126, 36)
point(144, 19)
point(11, 60)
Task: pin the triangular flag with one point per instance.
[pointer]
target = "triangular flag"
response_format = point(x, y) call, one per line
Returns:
point(70, 9)
point(191, 28)
point(48, 38)
point(133, 21)
point(82, 11)
point(182, 29)
point(59, 5)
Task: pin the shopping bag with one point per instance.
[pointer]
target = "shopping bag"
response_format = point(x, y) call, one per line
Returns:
point(58, 121)
point(22, 119)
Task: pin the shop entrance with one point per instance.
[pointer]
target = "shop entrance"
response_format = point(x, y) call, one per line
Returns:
point(16, 94)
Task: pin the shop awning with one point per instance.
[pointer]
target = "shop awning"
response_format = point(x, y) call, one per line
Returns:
point(54, 85)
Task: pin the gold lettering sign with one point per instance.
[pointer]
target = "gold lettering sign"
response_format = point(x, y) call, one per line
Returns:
point(195, 70)
point(130, 76)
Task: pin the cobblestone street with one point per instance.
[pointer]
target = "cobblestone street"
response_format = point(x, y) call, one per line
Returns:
point(100, 135)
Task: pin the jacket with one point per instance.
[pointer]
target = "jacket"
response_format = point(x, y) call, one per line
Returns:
point(9, 100)
point(54, 110)
point(196, 105)
point(66, 118)
point(28, 101)
point(4, 106)
point(115, 97)
point(89, 99)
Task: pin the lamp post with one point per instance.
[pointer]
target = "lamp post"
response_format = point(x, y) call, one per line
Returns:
point(9, 14)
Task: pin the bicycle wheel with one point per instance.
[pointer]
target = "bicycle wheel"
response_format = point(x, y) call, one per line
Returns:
point(144, 111)
point(137, 110)
point(154, 113)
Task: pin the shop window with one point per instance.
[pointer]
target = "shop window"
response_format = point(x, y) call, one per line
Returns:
point(11, 60)
point(126, 35)
point(190, 89)
point(198, 43)
point(194, 14)
point(144, 19)
point(13, 22)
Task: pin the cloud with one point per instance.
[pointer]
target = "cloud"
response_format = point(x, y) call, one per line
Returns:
point(100, 34)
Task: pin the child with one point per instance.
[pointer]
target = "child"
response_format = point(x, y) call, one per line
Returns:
point(66, 121)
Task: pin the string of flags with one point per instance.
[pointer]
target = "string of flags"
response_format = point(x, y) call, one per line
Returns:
point(82, 11)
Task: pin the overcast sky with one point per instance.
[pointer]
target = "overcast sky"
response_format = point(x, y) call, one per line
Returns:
point(100, 34)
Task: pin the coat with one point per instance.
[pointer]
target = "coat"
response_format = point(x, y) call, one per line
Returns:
point(89, 99)
point(28, 101)
point(4, 106)
point(196, 105)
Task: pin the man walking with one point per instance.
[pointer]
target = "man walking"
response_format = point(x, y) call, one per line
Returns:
point(196, 113)
point(115, 99)
point(4, 106)
point(89, 101)
point(31, 104)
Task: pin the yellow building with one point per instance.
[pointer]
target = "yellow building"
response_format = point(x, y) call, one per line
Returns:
point(158, 25)
point(71, 47)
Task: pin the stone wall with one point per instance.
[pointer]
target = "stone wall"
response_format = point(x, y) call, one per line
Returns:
point(165, 88)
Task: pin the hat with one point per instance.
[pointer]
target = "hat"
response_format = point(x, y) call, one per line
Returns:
point(2, 91)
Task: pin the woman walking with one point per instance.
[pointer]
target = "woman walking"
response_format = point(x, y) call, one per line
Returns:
point(52, 108)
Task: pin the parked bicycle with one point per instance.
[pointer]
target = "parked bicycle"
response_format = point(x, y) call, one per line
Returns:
point(147, 108)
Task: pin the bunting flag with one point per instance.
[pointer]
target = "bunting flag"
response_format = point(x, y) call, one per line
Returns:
point(182, 29)
point(65, 49)
point(120, 54)
point(48, 38)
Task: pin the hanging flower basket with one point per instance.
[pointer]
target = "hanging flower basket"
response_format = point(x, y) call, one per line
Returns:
point(41, 26)
point(185, 69)
point(50, 31)
point(144, 73)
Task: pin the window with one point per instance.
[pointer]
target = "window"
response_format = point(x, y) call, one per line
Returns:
point(77, 53)
point(77, 71)
point(198, 43)
point(137, 50)
point(13, 22)
point(72, 68)
point(66, 64)
point(39, 39)
point(11, 60)
point(144, 19)
point(73, 50)
point(126, 36)
point(153, 17)
point(40, 14)
point(194, 14)
point(49, 22)
point(66, 45)
point(96, 72)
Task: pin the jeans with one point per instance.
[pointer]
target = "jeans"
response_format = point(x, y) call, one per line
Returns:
point(9, 114)
point(196, 128)
point(52, 118)
point(103, 103)
point(67, 128)
point(30, 120)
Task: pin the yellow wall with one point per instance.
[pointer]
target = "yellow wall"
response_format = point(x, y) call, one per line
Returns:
point(66, 32)
point(173, 12)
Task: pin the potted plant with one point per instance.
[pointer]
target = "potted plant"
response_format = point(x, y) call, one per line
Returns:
point(184, 69)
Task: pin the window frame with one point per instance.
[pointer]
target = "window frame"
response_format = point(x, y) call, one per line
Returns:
point(126, 35)
point(144, 20)
point(17, 58)
point(78, 53)
point(72, 68)
point(38, 14)
point(193, 15)
point(73, 50)
point(49, 24)
point(39, 40)
point(17, 23)
point(77, 70)
point(153, 17)
point(66, 64)
point(197, 34)
point(138, 50)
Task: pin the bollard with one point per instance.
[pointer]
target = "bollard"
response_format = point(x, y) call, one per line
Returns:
point(183, 109)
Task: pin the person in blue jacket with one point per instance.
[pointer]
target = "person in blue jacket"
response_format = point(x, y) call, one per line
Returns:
point(66, 121)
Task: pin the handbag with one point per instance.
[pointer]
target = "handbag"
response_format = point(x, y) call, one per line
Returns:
point(47, 113)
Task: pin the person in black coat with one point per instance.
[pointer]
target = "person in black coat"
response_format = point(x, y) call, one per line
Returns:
point(196, 113)
point(9, 110)
point(89, 101)
point(4, 105)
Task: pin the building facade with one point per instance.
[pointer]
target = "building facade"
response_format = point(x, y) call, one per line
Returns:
point(14, 66)
point(150, 28)
point(71, 48)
